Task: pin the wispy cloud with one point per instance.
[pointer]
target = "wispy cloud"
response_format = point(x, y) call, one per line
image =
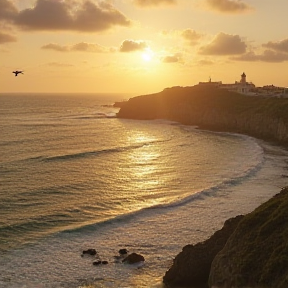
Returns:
point(229, 6)
point(59, 64)
point(80, 47)
point(267, 56)
point(5, 38)
point(149, 3)
point(205, 62)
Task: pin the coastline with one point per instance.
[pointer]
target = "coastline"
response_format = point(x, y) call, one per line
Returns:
point(259, 122)
point(216, 110)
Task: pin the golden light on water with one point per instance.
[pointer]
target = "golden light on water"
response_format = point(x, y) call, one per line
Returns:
point(144, 161)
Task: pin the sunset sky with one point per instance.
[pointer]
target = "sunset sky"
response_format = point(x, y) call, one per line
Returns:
point(140, 46)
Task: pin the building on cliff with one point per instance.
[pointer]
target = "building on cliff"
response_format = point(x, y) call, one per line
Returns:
point(211, 83)
point(272, 91)
point(241, 86)
point(248, 88)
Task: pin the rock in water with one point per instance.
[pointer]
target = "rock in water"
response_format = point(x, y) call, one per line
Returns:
point(90, 251)
point(133, 258)
point(123, 251)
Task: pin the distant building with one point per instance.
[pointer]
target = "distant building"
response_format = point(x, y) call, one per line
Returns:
point(248, 88)
point(271, 90)
point(242, 86)
point(210, 83)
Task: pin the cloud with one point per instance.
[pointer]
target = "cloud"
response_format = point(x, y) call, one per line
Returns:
point(191, 36)
point(205, 62)
point(7, 10)
point(147, 3)
point(281, 46)
point(228, 6)
point(80, 47)
point(5, 38)
point(172, 58)
point(90, 47)
point(131, 46)
point(58, 64)
point(266, 56)
point(224, 44)
point(56, 47)
point(83, 15)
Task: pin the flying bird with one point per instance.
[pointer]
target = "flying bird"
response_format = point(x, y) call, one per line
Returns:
point(17, 72)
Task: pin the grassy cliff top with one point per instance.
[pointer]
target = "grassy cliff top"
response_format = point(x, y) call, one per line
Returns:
point(203, 97)
point(256, 254)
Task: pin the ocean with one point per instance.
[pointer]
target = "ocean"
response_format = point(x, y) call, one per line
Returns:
point(73, 177)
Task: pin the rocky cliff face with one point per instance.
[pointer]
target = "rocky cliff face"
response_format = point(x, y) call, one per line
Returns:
point(214, 109)
point(192, 266)
point(256, 254)
point(250, 251)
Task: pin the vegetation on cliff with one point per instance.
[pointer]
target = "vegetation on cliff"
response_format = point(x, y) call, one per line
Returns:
point(191, 267)
point(249, 251)
point(214, 109)
point(256, 254)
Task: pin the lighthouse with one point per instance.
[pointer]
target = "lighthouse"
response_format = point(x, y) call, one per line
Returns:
point(243, 78)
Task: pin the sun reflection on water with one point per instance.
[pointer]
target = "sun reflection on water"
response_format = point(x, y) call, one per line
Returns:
point(144, 161)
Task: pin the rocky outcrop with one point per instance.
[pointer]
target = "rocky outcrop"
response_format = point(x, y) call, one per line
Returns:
point(249, 251)
point(214, 109)
point(192, 266)
point(256, 254)
point(133, 258)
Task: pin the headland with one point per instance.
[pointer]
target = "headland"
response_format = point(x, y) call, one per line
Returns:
point(216, 109)
point(250, 250)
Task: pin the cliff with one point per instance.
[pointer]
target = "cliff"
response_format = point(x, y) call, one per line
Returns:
point(256, 254)
point(193, 264)
point(249, 251)
point(214, 109)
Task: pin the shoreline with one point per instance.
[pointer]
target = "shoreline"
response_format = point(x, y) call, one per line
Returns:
point(179, 274)
point(216, 110)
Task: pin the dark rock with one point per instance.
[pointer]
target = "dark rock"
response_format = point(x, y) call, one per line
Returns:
point(90, 251)
point(123, 251)
point(97, 262)
point(191, 267)
point(133, 258)
point(100, 262)
point(256, 254)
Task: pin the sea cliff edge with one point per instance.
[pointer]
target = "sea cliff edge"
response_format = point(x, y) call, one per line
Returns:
point(214, 109)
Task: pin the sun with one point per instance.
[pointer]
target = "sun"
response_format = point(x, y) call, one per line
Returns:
point(147, 55)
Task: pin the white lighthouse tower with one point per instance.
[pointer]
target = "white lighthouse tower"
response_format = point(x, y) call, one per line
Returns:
point(243, 78)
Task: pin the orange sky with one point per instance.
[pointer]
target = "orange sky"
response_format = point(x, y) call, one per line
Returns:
point(140, 46)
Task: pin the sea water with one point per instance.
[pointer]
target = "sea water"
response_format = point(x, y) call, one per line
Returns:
point(74, 177)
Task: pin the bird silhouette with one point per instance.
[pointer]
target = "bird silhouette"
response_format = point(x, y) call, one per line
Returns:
point(17, 72)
